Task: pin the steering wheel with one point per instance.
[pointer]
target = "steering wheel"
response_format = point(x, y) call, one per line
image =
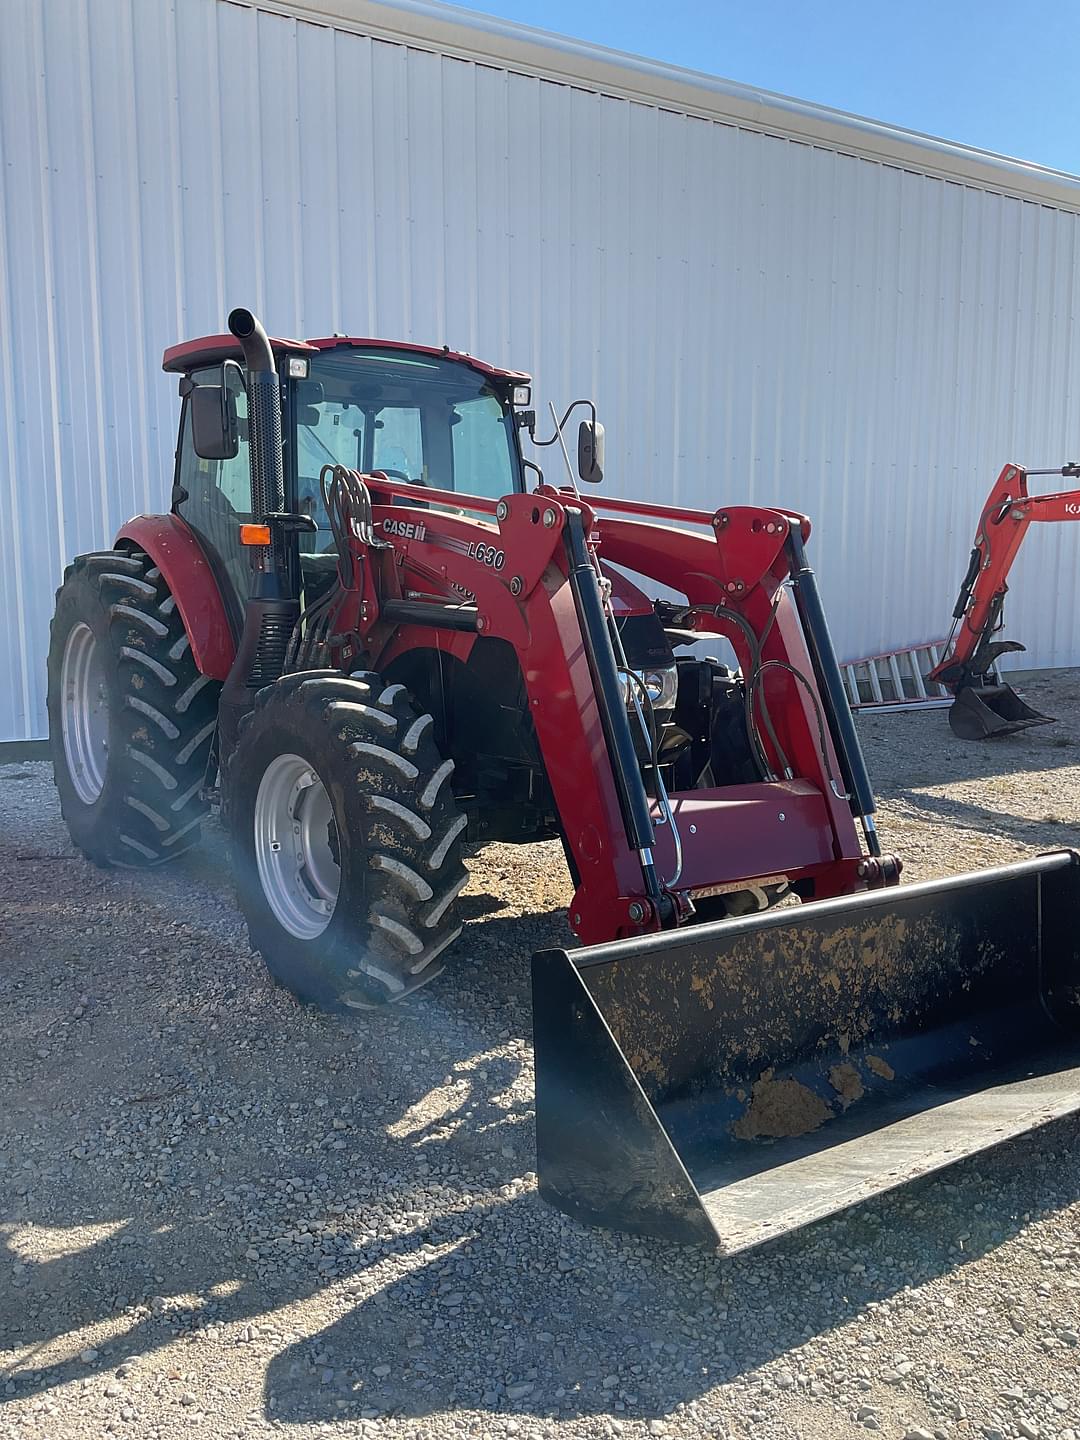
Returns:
point(399, 475)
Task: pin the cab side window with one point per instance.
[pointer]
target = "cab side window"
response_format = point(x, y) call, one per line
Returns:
point(219, 491)
point(398, 447)
point(327, 433)
point(482, 454)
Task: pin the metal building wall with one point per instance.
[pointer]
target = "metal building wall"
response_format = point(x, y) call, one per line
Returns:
point(758, 317)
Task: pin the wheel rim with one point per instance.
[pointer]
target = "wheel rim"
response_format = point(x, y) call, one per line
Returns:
point(84, 713)
point(297, 868)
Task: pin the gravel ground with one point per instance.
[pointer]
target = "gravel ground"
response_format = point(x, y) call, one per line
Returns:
point(222, 1215)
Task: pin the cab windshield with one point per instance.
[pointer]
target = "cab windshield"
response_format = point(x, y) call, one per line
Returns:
point(418, 418)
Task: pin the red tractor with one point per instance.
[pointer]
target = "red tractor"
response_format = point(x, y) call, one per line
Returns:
point(377, 632)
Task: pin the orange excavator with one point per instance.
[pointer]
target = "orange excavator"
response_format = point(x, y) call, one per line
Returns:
point(983, 708)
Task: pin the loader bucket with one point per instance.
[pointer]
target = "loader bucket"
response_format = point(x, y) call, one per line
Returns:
point(726, 1083)
point(988, 711)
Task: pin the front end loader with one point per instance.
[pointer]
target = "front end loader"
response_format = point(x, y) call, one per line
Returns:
point(374, 632)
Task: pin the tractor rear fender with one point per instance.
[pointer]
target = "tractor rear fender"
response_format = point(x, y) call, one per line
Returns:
point(176, 552)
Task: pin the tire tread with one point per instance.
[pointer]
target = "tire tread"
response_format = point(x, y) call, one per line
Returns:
point(162, 712)
point(395, 914)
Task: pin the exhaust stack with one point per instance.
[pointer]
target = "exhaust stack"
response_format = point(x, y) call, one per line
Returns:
point(264, 417)
point(272, 609)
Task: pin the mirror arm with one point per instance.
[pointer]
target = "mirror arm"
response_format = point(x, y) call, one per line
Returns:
point(226, 367)
point(562, 423)
point(532, 465)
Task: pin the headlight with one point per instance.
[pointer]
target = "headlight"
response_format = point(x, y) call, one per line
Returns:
point(661, 686)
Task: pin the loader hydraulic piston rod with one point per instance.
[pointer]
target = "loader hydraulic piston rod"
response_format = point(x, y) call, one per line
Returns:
point(831, 686)
point(614, 720)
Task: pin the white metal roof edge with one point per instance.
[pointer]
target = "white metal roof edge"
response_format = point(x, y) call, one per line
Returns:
point(471, 35)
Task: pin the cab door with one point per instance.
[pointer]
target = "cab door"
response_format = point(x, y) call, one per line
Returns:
point(214, 497)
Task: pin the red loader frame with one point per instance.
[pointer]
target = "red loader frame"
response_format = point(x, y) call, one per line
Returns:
point(513, 567)
point(799, 827)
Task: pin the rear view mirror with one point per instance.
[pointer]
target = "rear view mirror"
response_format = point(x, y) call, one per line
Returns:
point(309, 396)
point(214, 431)
point(590, 451)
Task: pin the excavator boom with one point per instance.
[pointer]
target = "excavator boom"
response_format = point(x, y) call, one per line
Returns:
point(984, 708)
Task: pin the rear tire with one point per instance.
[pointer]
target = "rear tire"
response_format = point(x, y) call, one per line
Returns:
point(347, 839)
point(131, 719)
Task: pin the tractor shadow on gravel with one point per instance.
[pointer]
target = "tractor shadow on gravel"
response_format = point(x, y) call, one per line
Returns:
point(515, 1310)
point(507, 1308)
point(152, 1244)
point(485, 1300)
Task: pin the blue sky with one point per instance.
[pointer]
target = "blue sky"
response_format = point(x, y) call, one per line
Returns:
point(998, 75)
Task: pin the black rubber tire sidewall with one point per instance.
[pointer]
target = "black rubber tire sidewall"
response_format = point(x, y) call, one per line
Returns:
point(311, 969)
point(352, 963)
point(161, 712)
point(94, 826)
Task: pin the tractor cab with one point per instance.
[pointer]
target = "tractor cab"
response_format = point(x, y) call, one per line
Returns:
point(423, 416)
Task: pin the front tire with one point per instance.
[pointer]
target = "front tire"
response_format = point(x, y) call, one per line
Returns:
point(131, 719)
point(347, 839)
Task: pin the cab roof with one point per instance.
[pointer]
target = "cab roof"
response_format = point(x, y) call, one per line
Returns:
point(212, 349)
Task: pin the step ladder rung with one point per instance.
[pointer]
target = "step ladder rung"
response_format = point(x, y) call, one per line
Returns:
point(896, 679)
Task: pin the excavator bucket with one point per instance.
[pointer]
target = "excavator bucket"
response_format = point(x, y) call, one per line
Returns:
point(729, 1082)
point(988, 711)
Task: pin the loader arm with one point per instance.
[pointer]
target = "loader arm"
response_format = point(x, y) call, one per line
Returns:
point(982, 707)
point(511, 570)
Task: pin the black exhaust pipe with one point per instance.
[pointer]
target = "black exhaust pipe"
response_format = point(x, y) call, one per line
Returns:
point(258, 355)
point(264, 417)
point(272, 608)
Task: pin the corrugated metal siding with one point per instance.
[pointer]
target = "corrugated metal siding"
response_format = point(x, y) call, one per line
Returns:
point(758, 318)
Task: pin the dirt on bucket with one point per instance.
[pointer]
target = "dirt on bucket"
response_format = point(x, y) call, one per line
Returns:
point(847, 1082)
point(779, 1109)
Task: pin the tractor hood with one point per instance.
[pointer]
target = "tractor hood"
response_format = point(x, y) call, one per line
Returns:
point(626, 598)
point(642, 634)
